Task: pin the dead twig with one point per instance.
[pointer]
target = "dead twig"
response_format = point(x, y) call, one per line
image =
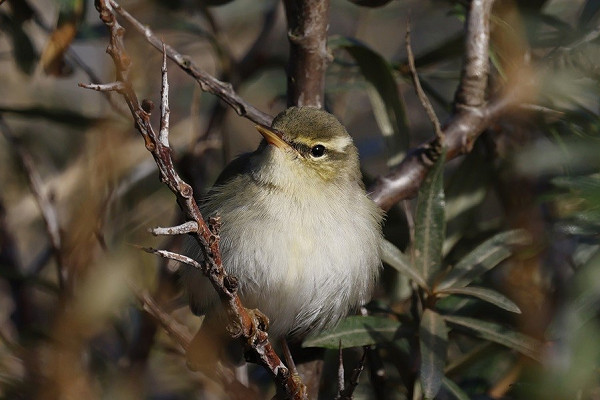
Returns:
point(176, 330)
point(207, 82)
point(348, 392)
point(419, 90)
point(244, 324)
point(75, 59)
point(341, 383)
point(43, 200)
point(169, 255)
point(186, 227)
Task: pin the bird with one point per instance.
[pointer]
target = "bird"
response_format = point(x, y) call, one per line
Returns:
point(298, 229)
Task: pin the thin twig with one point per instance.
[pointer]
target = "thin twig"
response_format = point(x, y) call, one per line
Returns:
point(103, 87)
point(348, 392)
point(175, 257)
point(176, 330)
point(471, 117)
point(287, 356)
point(47, 208)
point(207, 82)
point(341, 383)
point(186, 227)
point(75, 59)
point(165, 112)
point(419, 90)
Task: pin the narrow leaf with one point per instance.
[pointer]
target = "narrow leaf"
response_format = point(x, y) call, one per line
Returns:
point(22, 46)
point(55, 115)
point(356, 331)
point(589, 11)
point(388, 107)
point(465, 191)
point(392, 256)
point(433, 339)
point(430, 222)
point(454, 389)
point(483, 258)
point(489, 295)
point(493, 332)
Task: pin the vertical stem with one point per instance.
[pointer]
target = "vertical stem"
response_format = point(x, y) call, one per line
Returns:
point(307, 33)
point(474, 74)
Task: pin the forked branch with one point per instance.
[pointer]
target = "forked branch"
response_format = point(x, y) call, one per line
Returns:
point(472, 115)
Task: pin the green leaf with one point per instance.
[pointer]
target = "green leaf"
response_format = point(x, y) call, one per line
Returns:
point(582, 302)
point(433, 340)
point(392, 256)
point(355, 331)
point(483, 258)
point(491, 296)
point(25, 54)
point(465, 191)
point(22, 46)
point(388, 107)
point(430, 222)
point(590, 10)
point(57, 115)
point(493, 332)
point(454, 389)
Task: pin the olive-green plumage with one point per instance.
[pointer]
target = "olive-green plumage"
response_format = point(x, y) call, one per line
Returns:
point(298, 229)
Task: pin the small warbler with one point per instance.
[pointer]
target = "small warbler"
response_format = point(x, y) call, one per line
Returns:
point(298, 230)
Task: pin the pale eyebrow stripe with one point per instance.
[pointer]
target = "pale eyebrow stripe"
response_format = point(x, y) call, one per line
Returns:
point(338, 143)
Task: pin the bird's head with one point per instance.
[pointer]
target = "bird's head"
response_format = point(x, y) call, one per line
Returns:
point(310, 141)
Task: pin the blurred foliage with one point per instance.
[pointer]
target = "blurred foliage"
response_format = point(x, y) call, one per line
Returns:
point(491, 287)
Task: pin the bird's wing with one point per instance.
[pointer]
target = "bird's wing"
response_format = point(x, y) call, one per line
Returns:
point(236, 167)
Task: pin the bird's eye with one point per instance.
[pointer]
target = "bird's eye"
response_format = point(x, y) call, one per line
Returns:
point(317, 151)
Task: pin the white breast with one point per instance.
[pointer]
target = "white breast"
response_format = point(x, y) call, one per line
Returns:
point(304, 257)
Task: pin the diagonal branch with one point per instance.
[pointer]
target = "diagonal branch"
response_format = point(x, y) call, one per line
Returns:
point(47, 209)
point(207, 82)
point(243, 323)
point(471, 117)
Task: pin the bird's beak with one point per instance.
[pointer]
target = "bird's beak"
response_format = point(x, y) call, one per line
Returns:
point(273, 137)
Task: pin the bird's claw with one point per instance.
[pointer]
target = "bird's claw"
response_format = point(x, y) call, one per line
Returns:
point(259, 326)
point(259, 319)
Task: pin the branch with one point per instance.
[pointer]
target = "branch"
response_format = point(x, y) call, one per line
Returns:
point(176, 330)
point(419, 90)
point(348, 392)
point(307, 32)
point(186, 227)
point(207, 82)
point(47, 209)
point(74, 57)
point(340, 376)
point(247, 325)
point(474, 74)
point(471, 117)
point(169, 255)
